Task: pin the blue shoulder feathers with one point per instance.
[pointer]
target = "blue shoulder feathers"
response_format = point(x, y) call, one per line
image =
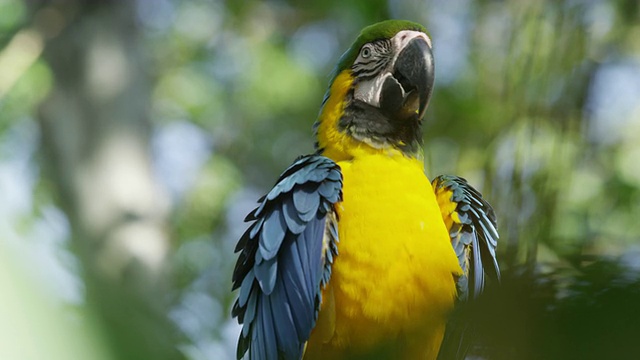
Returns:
point(285, 260)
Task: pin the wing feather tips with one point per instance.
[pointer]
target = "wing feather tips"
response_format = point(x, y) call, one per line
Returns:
point(285, 258)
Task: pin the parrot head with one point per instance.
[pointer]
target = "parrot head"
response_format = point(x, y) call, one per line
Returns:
point(379, 92)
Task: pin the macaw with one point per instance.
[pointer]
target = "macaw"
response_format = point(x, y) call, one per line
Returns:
point(354, 254)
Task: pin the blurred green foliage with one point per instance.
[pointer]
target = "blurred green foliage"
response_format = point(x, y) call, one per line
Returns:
point(536, 104)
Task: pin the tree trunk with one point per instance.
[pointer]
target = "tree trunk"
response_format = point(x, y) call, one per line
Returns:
point(95, 144)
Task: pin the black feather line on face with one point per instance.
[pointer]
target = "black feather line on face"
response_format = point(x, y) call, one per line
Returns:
point(381, 55)
point(369, 124)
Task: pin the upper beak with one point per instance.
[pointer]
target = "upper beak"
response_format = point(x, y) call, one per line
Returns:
point(407, 91)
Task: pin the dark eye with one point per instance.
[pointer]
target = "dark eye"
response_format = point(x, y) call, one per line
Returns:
point(365, 52)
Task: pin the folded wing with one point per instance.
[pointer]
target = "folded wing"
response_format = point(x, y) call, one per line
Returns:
point(474, 236)
point(285, 260)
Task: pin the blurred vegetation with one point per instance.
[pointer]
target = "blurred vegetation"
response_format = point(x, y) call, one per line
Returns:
point(135, 136)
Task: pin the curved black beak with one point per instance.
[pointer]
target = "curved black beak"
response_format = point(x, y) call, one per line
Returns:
point(406, 93)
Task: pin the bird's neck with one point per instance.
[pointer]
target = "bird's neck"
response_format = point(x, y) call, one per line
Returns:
point(334, 142)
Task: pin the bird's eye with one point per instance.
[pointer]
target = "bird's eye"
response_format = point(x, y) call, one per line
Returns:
point(365, 52)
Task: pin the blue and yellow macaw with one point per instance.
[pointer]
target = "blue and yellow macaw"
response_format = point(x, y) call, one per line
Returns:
point(354, 254)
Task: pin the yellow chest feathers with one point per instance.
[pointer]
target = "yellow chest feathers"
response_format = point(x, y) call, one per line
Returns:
point(394, 272)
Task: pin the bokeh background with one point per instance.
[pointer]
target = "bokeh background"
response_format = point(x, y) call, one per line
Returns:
point(135, 136)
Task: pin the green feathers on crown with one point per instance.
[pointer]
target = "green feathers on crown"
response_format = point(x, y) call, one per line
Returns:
point(382, 30)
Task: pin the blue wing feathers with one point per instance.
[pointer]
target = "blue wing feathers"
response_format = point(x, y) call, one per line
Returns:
point(257, 343)
point(334, 176)
point(245, 289)
point(286, 332)
point(475, 239)
point(292, 219)
point(299, 304)
point(326, 189)
point(272, 234)
point(266, 272)
point(297, 262)
point(255, 227)
point(305, 265)
point(269, 333)
point(250, 312)
point(478, 272)
point(285, 260)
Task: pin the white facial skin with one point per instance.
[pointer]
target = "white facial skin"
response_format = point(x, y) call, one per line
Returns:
point(368, 91)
